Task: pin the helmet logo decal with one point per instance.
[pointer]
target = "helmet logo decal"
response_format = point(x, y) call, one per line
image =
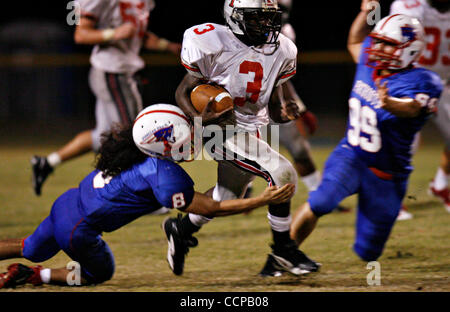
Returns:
point(231, 4)
point(408, 32)
point(161, 135)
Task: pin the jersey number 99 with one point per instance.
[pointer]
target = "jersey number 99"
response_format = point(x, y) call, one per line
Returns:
point(363, 119)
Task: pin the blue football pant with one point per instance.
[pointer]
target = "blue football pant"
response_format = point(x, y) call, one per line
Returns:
point(379, 200)
point(65, 229)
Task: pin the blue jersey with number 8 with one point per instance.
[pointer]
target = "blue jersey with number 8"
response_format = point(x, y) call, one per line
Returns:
point(109, 203)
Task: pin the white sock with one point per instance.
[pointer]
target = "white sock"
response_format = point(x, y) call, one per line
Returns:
point(312, 181)
point(440, 180)
point(54, 159)
point(279, 224)
point(46, 275)
point(198, 220)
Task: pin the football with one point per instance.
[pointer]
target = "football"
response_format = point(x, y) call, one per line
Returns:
point(201, 94)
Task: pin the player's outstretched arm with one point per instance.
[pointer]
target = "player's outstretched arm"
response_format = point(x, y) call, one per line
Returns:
point(359, 30)
point(206, 206)
point(87, 33)
point(153, 42)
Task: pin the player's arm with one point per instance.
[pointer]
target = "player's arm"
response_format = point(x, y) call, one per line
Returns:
point(359, 30)
point(204, 205)
point(285, 105)
point(154, 42)
point(400, 107)
point(87, 33)
point(183, 99)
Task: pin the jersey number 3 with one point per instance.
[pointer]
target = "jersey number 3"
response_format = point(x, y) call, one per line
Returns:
point(363, 120)
point(253, 87)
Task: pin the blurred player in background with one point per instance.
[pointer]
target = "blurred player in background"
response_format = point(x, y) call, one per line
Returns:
point(435, 17)
point(118, 30)
point(390, 102)
point(134, 176)
point(252, 61)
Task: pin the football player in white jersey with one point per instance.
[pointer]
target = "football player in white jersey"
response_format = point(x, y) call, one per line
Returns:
point(435, 17)
point(293, 134)
point(251, 59)
point(118, 31)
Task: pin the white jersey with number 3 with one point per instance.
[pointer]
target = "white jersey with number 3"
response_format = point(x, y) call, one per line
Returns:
point(121, 56)
point(213, 52)
point(436, 55)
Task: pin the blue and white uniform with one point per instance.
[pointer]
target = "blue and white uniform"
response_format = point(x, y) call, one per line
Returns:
point(374, 159)
point(80, 215)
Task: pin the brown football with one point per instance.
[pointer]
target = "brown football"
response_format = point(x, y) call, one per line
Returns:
point(201, 94)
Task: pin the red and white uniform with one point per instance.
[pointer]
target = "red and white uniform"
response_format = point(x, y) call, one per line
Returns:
point(436, 55)
point(122, 56)
point(213, 52)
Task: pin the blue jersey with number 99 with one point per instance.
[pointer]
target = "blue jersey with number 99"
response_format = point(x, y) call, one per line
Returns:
point(381, 139)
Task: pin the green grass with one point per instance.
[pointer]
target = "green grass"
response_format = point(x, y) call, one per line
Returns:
point(232, 250)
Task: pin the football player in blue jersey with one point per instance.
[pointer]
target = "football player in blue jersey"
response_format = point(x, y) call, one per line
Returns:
point(390, 101)
point(135, 174)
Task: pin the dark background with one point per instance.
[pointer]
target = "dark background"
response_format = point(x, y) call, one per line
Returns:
point(49, 94)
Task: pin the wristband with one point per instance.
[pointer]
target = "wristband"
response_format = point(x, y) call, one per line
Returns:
point(108, 34)
point(162, 44)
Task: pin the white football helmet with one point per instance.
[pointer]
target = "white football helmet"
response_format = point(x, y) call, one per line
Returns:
point(255, 22)
point(405, 33)
point(163, 131)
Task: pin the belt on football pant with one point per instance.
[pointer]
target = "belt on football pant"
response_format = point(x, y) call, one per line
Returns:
point(381, 174)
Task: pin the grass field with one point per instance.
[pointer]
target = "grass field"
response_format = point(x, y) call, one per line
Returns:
point(232, 250)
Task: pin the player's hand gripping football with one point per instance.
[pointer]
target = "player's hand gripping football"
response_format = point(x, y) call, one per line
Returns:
point(278, 195)
point(209, 115)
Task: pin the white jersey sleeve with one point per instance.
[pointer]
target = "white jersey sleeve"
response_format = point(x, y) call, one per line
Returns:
point(200, 44)
point(289, 67)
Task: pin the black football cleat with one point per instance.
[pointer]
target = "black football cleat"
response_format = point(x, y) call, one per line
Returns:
point(269, 269)
point(19, 274)
point(41, 170)
point(290, 259)
point(178, 244)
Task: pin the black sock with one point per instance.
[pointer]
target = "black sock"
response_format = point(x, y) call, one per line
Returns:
point(281, 238)
point(187, 226)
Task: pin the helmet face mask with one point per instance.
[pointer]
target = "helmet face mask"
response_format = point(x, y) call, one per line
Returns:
point(397, 42)
point(254, 22)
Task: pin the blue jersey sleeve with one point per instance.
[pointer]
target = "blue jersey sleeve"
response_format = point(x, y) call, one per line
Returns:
point(422, 85)
point(363, 56)
point(171, 185)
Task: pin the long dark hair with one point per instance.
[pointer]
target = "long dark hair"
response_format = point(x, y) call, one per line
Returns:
point(118, 151)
